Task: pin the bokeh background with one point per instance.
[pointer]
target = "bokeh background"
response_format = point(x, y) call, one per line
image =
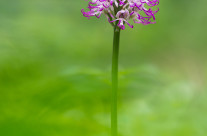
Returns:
point(55, 71)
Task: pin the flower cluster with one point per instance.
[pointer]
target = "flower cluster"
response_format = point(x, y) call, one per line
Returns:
point(120, 12)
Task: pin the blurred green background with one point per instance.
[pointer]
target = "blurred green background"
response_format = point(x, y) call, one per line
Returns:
point(55, 71)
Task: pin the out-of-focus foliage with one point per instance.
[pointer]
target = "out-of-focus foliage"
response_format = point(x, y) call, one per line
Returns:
point(55, 71)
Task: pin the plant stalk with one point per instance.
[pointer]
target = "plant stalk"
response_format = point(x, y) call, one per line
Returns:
point(115, 59)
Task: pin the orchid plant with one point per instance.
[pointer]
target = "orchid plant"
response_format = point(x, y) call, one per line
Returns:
point(119, 12)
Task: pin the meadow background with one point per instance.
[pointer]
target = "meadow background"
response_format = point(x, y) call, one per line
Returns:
point(55, 71)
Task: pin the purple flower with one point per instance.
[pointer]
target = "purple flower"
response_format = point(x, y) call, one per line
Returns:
point(120, 12)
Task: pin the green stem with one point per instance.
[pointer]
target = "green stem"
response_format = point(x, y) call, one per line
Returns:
point(115, 81)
